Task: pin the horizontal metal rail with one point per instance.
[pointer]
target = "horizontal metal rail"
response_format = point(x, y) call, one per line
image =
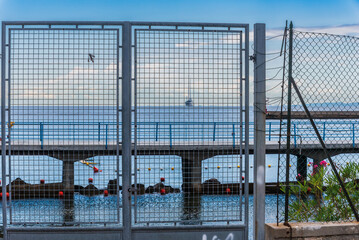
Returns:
point(228, 132)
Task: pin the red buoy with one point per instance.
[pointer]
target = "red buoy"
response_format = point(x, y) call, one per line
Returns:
point(242, 177)
point(162, 179)
point(228, 190)
point(90, 180)
point(42, 181)
point(95, 169)
point(163, 191)
point(61, 194)
point(7, 195)
point(105, 193)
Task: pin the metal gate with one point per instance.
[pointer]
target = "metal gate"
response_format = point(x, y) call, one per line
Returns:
point(160, 149)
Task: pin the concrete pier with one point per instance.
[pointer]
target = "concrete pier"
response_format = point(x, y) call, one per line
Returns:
point(302, 167)
point(68, 178)
point(192, 173)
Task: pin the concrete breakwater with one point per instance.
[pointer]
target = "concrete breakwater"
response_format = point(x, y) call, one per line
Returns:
point(22, 190)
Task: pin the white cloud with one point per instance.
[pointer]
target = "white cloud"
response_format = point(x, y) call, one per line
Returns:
point(349, 30)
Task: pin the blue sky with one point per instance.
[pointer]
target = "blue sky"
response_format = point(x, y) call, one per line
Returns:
point(329, 16)
point(304, 13)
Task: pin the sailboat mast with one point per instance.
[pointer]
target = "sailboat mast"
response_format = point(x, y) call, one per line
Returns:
point(189, 88)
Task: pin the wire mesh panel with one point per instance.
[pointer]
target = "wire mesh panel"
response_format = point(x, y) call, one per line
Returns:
point(324, 69)
point(63, 121)
point(188, 126)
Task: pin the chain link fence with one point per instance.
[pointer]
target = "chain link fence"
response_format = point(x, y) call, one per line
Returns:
point(324, 69)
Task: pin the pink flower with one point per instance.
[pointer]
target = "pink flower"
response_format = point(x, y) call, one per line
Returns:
point(298, 175)
point(323, 163)
point(315, 166)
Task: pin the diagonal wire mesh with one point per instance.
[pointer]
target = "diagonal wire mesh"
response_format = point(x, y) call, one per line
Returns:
point(324, 69)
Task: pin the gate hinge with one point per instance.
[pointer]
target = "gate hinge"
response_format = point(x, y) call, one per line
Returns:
point(253, 58)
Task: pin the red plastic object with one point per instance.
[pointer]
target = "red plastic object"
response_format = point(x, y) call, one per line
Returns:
point(90, 180)
point(162, 179)
point(228, 190)
point(42, 181)
point(61, 194)
point(105, 193)
point(7, 195)
point(163, 191)
point(242, 177)
point(95, 169)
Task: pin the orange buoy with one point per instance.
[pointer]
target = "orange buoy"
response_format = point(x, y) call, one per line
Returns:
point(228, 190)
point(42, 181)
point(95, 169)
point(105, 193)
point(90, 180)
point(61, 194)
point(163, 191)
point(162, 179)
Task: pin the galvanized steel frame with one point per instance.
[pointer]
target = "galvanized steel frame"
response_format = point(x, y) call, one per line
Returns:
point(126, 47)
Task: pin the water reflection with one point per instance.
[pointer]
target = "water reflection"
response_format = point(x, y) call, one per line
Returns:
point(191, 209)
point(68, 210)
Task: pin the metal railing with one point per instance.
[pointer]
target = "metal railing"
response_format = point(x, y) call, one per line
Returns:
point(177, 131)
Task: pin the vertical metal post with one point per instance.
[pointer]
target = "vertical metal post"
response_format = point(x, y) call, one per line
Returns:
point(3, 128)
point(214, 132)
point(353, 135)
point(288, 122)
point(324, 131)
point(42, 135)
point(241, 129)
point(9, 122)
point(126, 129)
point(99, 127)
point(170, 135)
point(260, 129)
point(156, 131)
point(270, 130)
point(295, 135)
point(106, 134)
point(246, 130)
point(234, 136)
point(117, 125)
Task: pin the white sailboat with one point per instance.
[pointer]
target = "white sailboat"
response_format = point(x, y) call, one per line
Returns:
point(189, 102)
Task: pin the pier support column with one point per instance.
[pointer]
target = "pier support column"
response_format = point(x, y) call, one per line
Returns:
point(192, 173)
point(302, 166)
point(68, 177)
